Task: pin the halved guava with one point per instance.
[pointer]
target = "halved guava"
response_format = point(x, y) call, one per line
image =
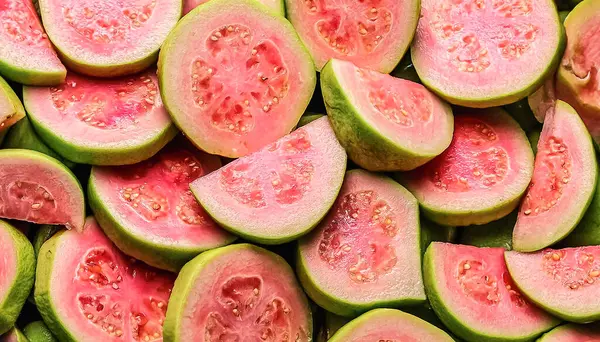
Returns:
point(384, 123)
point(14, 335)
point(372, 34)
point(573, 333)
point(280, 192)
point(494, 234)
point(148, 209)
point(481, 176)
point(101, 122)
point(543, 100)
point(87, 290)
point(563, 183)
point(484, 53)
point(109, 38)
point(38, 332)
point(238, 293)
point(11, 108)
point(39, 189)
point(275, 5)
point(235, 77)
point(472, 292)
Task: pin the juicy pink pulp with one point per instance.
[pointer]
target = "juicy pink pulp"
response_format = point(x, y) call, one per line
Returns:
point(8, 262)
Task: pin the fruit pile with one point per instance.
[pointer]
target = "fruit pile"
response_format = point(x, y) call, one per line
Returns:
point(299, 170)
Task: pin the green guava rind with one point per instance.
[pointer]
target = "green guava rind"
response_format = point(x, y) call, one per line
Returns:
point(14, 335)
point(557, 334)
point(364, 143)
point(587, 232)
point(494, 234)
point(42, 235)
point(521, 112)
point(534, 138)
point(431, 231)
point(38, 332)
point(18, 111)
point(32, 77)
point(308, 118)
point(11, 306)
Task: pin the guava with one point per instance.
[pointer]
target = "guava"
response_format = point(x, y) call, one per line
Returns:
point(38, 332)
point(308, 118)
point(43, 234)
point(14, 335)
point(331, 324)
point(484, 53)
point(371, 34)
point(406, 70)
point(431, 231)
point(480, 177)
point(573, 333)
point(11, 108)
point(384, 123)
point(281, 192)
point(275, 5)
point(472, 292)
point(494, 234)
point(39, 189)
point(521, 112)
point(87, 290)
point(543, 100)
point(235, 84)
point(563, 183)
point(238, 293)
point(101, 122)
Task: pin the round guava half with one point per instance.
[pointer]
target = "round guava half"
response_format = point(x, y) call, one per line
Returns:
point(366, 253)
point(484, 53)
point(472, 292)
point(238, 293)
point(235, 77)
point(87, 290)
point(481, 176)
point(11, 108)
point(384, 123)
point(275, 5)
point(280, 192)
point(101, 122)
point(573, 333)
point(14, 335)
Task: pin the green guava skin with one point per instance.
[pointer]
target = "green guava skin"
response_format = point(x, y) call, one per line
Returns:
point(18, 111)
point(42, 235)
point(38, 332)
point(14, 335)
point(32, 77)
point(494, 234)
point(308, 118)
point(587, 232)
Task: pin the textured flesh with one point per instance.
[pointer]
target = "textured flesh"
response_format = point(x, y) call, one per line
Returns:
point(189, 5)
point(8, 263)
point(572, 333)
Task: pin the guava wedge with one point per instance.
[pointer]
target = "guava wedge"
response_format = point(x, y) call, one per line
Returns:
point(14, 335)
point(101, 122)
point(484, 53)
point(494, 234)
point(281, 192)
point(563, 183)
point(148, 210)
point(275, 5)
point(234, 84)
point(472, 292)
point(573, 333)
point(38, 332)
point(480, 177)
point(87, 290)
point(366, 253)
point(238, 293)
point(384, 123)
point(39, 189)
point(11, 108)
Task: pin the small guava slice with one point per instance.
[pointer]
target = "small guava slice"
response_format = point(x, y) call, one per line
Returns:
point(86, 289)
point(238, 293)
point(384, 123)
point(235, 83)
point(308, 118)
point(543, 100)
point(281, 192)
point(38, 332)
point(101, 122)
point(472, 292)
point(14, 335)
point(572, 333)
point(11, 108)
point(481, 176)
point(494, 234)
point(563, 183)
point(39, 189)
point(275, 5)
point(484, 53)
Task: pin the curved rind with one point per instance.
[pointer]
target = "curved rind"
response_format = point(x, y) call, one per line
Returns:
point(38, 332)
point(32, 77)
point(17, 112)
point(572, 333)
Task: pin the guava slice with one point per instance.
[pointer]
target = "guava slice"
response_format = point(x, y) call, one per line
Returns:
point(543, 100)
point(494, 234)
point(472, 292)
point(87, 290)
point(101, 122)
point(275, 5)
point(384, 123)
point(39, 189)
point(14, 335)
point(280, 192)
point(11, 108)
point(234, 85)
point(481, 176)
point(371, 34)
point(238, 293)
point(573, 333)
point(563, 183)
point(38, 332)
point(308, 118)
point(148, 209)
point(465, 50)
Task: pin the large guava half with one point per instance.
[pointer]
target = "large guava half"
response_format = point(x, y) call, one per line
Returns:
point(238, 293)
point(275, 5)
point(563, 183)
point(11, 108)
point(148, 209)
point(101, 122)
point(235, 76)
point(481, 176)
point(472, 292)
point(484, 53)
point(87, 290)
point(280, 192)
point(384, 123)
point(573, 333)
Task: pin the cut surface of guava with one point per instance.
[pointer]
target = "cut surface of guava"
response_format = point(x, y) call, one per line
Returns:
point(280, 192)
point(373, 34)
point(481, 176)
point(563, 183)
point(366, 252)
point(465, 50)
point(384, 123)
point(235, 77)
point(573, 333)
point(87, 290)
point(238, 293)
point(149, 211)
point(101, 122)
point(275, 5)
point(472, 292)
point(11, 108)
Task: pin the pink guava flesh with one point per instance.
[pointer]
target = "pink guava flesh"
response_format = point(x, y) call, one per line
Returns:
point(8, 263)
